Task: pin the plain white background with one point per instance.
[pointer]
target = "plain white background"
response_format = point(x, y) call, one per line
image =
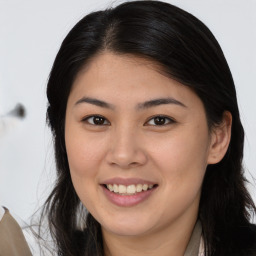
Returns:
point(30, 35)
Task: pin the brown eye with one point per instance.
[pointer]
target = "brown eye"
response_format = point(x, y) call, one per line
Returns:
point(96, 120)
point(160, 121)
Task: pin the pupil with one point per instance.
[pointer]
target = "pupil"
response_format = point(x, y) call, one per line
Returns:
point(159, 120)
point(98, 120)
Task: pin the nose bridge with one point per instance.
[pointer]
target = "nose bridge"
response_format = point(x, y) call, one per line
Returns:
point(125, 149)
point(125, 140)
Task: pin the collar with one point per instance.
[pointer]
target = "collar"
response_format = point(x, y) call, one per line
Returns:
point(195, 241)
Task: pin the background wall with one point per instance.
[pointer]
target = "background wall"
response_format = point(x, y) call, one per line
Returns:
point(30, 35)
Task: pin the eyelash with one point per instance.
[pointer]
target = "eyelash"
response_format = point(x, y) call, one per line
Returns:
point(95, 116)
point(165, 118)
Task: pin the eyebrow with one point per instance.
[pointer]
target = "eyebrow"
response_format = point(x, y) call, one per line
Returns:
point(157, 102)
point(95, 102)
point(140, 106)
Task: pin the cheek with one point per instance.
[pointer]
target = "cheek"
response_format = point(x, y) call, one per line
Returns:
point(85, 158)
point(84, 154)
point(182, 157)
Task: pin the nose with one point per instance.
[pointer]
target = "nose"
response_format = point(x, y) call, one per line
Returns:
point(126, 150)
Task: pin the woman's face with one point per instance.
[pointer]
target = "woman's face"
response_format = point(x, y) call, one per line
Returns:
point(132, 129)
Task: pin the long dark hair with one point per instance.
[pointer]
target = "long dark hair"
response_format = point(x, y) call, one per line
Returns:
point(187, 52)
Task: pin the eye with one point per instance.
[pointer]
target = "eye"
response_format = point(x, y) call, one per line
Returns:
point(96, 120)
point(160, 121)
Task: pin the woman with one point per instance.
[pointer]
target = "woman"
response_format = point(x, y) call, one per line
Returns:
point(148, 139)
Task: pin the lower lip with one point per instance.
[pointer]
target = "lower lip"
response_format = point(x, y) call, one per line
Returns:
point(127, 200)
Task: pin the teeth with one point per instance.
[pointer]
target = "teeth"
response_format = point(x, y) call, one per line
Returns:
point(145, 187)
point(130, 189)
point(122, 189)
point(139, 188)
point(110, 187)
point(115, 187)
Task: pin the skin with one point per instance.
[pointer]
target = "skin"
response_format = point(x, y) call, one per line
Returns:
point(129, 144)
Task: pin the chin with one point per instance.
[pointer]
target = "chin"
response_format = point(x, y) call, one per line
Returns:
point(128, 228)
point(127, 232)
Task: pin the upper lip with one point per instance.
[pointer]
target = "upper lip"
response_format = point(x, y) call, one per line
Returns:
point(127, 181)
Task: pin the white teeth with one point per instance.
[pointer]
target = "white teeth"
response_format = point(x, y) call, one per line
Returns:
point(145, 187)
point(139, 188)
point(115, 187)
point(122, 189)
point(110, 187)
point(130, 189)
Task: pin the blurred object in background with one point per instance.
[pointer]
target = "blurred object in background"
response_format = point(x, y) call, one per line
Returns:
point(18, 111)
point(11, 119)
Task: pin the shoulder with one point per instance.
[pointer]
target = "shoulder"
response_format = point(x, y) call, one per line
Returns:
point(12, 239)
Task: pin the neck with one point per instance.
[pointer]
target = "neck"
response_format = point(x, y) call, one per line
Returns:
point(167, 241)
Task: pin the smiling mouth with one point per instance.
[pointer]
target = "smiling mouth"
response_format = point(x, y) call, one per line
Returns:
point(130, 189)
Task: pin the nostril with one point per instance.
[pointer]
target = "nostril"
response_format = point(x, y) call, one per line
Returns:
point(133, 163)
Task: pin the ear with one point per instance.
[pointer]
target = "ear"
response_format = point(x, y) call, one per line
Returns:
point(220, 139)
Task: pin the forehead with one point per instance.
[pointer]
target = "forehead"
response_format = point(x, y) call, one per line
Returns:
point(108, 63)
point(127, 77)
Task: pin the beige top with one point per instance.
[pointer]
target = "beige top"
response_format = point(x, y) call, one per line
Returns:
point(12, 240)
point(193, 248)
